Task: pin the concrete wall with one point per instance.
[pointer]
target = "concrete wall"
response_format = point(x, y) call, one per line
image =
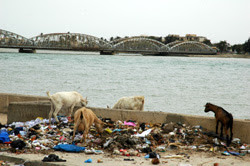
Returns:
point(6, 98)
point(24, 111)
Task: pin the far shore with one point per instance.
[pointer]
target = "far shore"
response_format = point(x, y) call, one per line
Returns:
point(227, 55)
point(223, 55)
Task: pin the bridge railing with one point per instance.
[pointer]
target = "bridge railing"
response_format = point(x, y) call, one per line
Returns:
point(76, 41)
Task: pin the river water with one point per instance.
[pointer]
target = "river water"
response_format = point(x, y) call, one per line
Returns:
point(169, 84)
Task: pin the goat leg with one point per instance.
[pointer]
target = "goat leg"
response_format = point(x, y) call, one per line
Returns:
point(217, 124)
point(221, 130)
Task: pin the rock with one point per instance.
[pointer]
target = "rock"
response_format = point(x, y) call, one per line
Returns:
point(155, 161)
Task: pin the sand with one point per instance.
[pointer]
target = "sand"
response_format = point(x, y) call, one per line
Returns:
point(196, 158)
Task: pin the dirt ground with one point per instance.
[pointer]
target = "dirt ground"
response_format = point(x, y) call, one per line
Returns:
point(194, 159)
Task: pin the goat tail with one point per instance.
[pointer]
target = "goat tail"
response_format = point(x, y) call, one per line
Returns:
point(82, 119)
point(81, 116)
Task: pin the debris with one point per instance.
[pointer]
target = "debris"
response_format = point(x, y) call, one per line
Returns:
point(236, 140)
point(234, 153)
point(153, 155)
point(126, 138)
point(53, 158)
point(99, 161)
point(225, 153)
point(88, 161)
point(69, 148)
point(108, 130)
point(4, 136)
point(18, 144)
point(155, 161)
point(129, 159)
point(143, 134)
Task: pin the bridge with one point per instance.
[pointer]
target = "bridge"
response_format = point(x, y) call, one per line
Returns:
point(83, 42)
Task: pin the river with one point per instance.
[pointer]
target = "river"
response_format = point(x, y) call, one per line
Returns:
point(169, 84)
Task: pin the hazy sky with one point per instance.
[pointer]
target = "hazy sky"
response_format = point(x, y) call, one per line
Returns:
point(215, 19)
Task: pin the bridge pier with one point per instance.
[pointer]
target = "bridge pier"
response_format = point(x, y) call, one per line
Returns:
point(26, 50)
point(156, 54)
point(107, 52)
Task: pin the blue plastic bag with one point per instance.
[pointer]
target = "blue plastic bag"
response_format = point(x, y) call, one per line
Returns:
point(69, 148)
point(4, 137)
point(88, 161)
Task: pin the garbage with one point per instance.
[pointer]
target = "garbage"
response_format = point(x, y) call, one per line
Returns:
point(143, 134)
point(69, 148)
point(99, 161)
point(147, 156)
point(129, 123)
point(243, 147)
point(88, 161)
point(161, 149)
point(153, 155)
point(89, 151)
point(226, 153)
point(108, 130)
point(127, 138)
point(98, 152)
point(236, 140)
point(4, 136)
point(155, 161)
point(234, 153)
point(146, 150)
point(18, 144)
point(129, 159)
point(167, 128)
point(53, 158)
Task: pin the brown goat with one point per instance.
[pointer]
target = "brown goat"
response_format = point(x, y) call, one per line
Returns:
point(83, 119)
point(224, 117)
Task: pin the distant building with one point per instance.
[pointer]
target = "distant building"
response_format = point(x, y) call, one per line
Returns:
point(189, 37)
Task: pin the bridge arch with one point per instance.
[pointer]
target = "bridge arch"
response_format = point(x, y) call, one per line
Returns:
point(191, 47)
point(138, 44)
point(74, 41)
point(8, 38)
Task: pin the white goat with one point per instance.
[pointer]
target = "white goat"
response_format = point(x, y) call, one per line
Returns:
point(65, 100)
point(130, 103)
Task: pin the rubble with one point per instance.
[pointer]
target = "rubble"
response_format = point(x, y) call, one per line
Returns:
point(127, 138)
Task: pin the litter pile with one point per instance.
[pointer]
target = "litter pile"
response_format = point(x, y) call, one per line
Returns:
point(127, 138)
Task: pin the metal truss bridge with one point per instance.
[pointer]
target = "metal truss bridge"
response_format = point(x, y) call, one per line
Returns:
point(83, 42)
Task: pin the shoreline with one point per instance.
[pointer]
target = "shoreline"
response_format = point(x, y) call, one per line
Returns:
point(226, 55)
point(247, 56)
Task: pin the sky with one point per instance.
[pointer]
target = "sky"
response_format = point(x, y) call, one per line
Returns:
point(218, 20)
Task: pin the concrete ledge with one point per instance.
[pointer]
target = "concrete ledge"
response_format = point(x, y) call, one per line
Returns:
point(6, 98)
point(21, 161)
point(15, 160)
